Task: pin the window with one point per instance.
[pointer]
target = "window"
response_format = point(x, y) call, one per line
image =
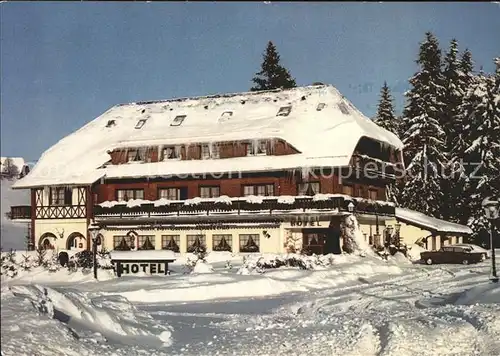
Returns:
point(178, 120)
point(226, 115)
point(126, 194)
point(111, 123)
point(171, 153)
point(209, 192)
point(261, 189)
point(146, 242)
point(257, 148)
point(61, 196)
point(210, 151)
point(320, 106)
point(284, 111)
point(123, 243)
point(306, 188)
point(140, 123)
point(347, 190)
point(169, 193)
point(343, 108)
point(372, 194)
point(222, 242)
point(249, 243)
point(195, 242)
point(171, 242)
point(135, 155)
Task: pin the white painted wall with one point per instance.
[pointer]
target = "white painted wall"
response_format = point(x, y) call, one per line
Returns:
point(56, 226)
point(273, 244)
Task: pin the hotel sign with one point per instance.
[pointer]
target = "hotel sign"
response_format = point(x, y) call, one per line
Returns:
point(157, 267)
point(306, 221)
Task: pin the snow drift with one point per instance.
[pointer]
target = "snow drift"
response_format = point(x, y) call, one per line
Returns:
point(113, 316)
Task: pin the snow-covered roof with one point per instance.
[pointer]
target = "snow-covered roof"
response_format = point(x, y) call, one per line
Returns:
point(17, 161)
point(433, 224)
point(325, 137)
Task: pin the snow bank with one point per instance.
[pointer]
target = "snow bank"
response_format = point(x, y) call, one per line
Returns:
point(110, 316)
point(414, 252)
point(488, 293)
point(202, 267)
point(344, 268)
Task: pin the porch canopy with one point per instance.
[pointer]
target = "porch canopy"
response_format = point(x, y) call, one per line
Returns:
point(434, 225)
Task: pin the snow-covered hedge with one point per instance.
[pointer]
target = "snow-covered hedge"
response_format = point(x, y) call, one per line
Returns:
point(260, 263)
point(11, 263)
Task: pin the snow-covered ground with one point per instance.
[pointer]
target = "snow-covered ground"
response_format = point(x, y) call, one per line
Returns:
point(347, 305)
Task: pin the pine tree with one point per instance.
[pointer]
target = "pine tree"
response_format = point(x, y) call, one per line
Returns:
point(482, 108)
point(424, 137)
point(386, 119)
point(272, 74)
point(452, 122)
point(385, 112)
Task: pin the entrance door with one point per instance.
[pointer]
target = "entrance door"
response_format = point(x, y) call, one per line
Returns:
point(314, 241)
point(332, 244)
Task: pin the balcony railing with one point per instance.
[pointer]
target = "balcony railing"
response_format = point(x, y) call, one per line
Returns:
point(374, 167)
point(19, 212)
point(240, 206)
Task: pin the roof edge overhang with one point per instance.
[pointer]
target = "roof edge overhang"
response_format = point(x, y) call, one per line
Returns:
point(432, 229)
point(263, 170)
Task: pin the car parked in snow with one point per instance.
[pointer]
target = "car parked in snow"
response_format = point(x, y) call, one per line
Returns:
point(452, 254)
point(486, 253)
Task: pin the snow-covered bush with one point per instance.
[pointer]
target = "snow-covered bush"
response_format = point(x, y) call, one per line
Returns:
point(259, 263)
point(201, 266)
point(229, 265)
point(354, 241)
point(104, 259)
point(41, 256)
point(27, 263)
point(8, 265)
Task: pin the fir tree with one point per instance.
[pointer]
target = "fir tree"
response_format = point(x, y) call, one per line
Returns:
point(482, 109)
point(385, 112)
point(452, 122)
point(424, 137)
point(386, 119)
point(272, 74)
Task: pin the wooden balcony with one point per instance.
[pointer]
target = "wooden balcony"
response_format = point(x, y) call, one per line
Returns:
point(19, 212)
point(373, 168)
point(270, 206)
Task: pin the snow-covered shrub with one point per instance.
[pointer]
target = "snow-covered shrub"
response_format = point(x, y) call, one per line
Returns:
point(260, 263)
point(104, 259)
point(229, 265)
point(52, 263)
point(28, 262)
point(354, 241)
point(201, 266)
point(8, 265)
point(41, 256)
point(83, 259)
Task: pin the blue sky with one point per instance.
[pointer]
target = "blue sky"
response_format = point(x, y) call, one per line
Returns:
point(63, 64)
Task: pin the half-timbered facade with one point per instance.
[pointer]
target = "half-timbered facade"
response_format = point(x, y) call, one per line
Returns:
point(247, 172)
